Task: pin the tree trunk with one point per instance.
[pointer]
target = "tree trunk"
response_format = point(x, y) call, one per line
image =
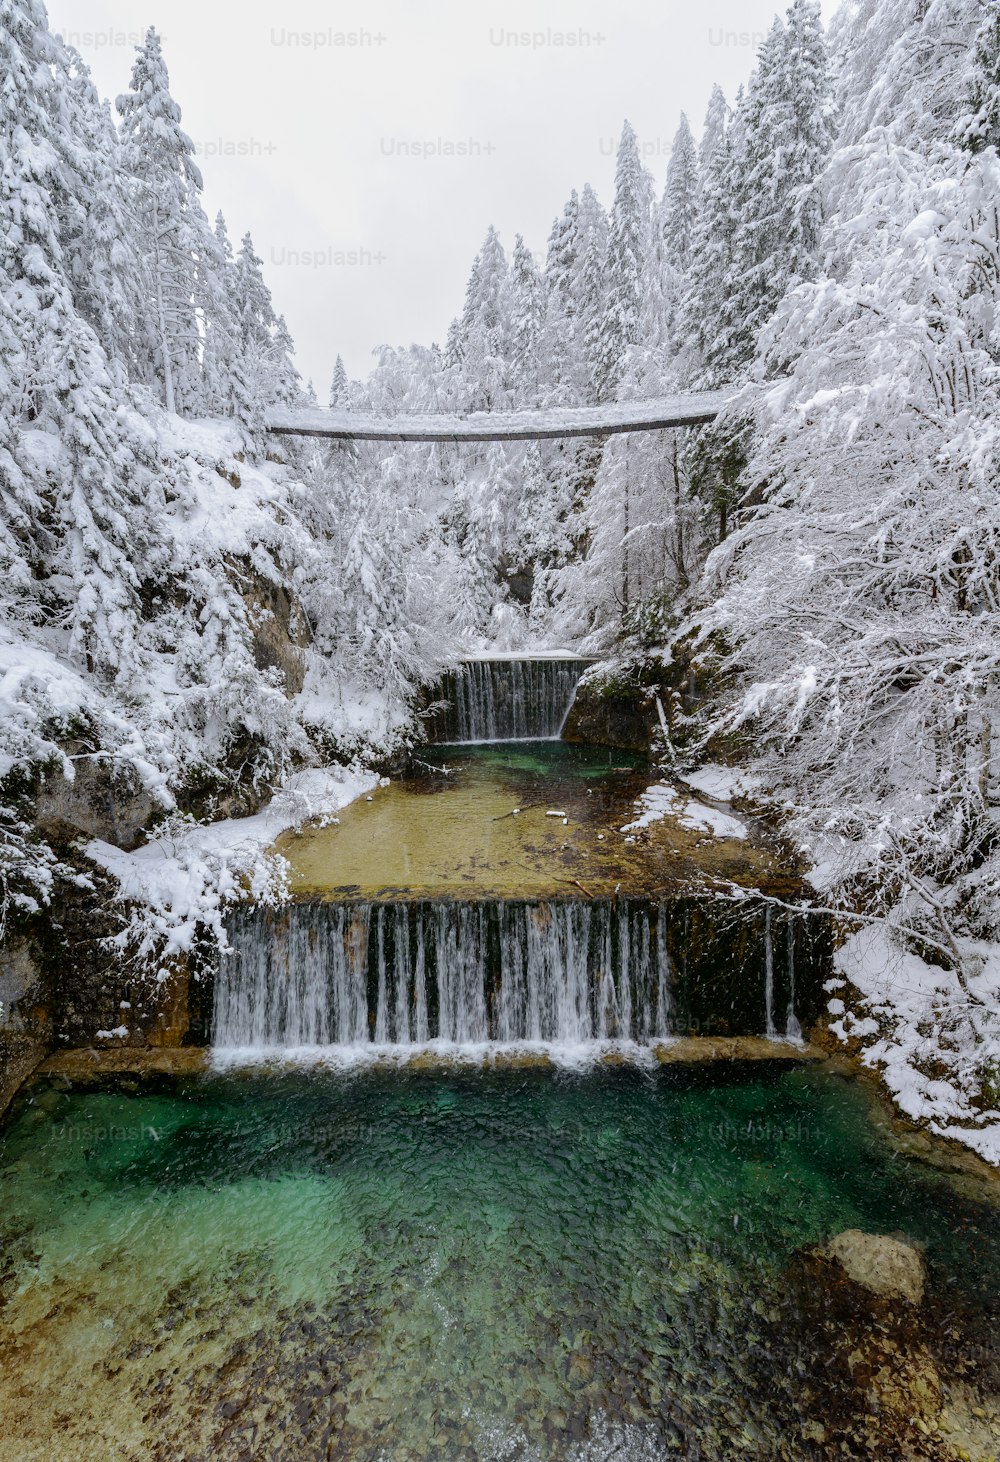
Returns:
point(161, 320)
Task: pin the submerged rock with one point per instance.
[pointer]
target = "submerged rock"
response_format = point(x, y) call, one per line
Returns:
point(872, 1387)
point(887, 1267)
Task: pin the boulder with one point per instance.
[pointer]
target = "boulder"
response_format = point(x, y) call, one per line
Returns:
point(280, 631)
point(618, 717)
point(105, 799)
point(890, 1268)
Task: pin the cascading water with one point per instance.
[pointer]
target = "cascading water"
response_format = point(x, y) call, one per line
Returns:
point(562, 973)
point(793, 1029)
point(770, 1029)
point(506, 700)
point(464, 973)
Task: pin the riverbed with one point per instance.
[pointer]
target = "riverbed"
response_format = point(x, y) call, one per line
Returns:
point(465, 1265)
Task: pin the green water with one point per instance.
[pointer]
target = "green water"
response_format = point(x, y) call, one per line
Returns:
point(544, 760)
point(478, 1265)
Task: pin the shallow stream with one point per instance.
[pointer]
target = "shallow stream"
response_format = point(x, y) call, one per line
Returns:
point(523, 820)
point(471, 1265)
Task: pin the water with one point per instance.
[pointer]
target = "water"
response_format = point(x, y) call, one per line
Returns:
point(770, 1029)
point(793, 1026)
point(506, 700)
point(566, 974)
point(477, 1266)
point(472, 822)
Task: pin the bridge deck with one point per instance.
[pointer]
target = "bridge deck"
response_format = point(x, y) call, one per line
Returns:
point(691, 409)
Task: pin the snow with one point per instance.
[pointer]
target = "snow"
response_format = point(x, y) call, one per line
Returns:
point(661, 801)
point(183, 877)
point(722, 783)
point(924, 226)
point(488, 656)
point(918, 1021)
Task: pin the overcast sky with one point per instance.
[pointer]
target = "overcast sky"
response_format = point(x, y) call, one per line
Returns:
point(367, 149)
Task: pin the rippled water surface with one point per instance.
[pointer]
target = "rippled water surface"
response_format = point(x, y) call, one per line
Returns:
point(479, 1265)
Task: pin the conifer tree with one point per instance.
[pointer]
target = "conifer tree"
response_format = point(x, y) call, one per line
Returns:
point(680, 199)
point(783, 137)
point(980, 127)
point(627, 231)
point(485, 329)
point(225, 383)
point(708, 354)
point(589, 289)
point(809, 135)
point(678, 221)
point(563, 251)
point(714, 129)
point(262, 342)
point(176, 243)
point(338, 386)
point(558, 353)
point(78, 498)
point(287, 383)
point(103, 265)
point(525, 321)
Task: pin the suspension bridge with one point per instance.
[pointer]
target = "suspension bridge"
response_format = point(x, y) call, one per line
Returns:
point(693, 408)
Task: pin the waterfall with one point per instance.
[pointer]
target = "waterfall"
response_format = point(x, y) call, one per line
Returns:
point(770, 1029)
point(563, 973)
point(793, 1029)
point(506, 700)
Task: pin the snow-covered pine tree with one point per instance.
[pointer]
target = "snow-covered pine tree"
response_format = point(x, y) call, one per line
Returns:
point(266, 374)
point(225, 382)
point(339, 386)
point(485, 329)
point(526, 292)
point(628, 230)
point(706, 351)
point(678, 221)
point(713, 130)
point(712, 342)
point(78, 493)
point(680, 198)
point(809, 136)
point(256, 320)
point(287, 388)
point(785, 137)
point(559, 357)
point(754, 278)
point(563, 248)
point(172, 232)
point(980, 127)
point(589, 274)
point(104, 267)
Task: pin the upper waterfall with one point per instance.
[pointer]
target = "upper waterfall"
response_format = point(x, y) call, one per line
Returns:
point(494, 699)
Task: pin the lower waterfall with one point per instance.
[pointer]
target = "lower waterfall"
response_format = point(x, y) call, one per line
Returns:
point(564, 973)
